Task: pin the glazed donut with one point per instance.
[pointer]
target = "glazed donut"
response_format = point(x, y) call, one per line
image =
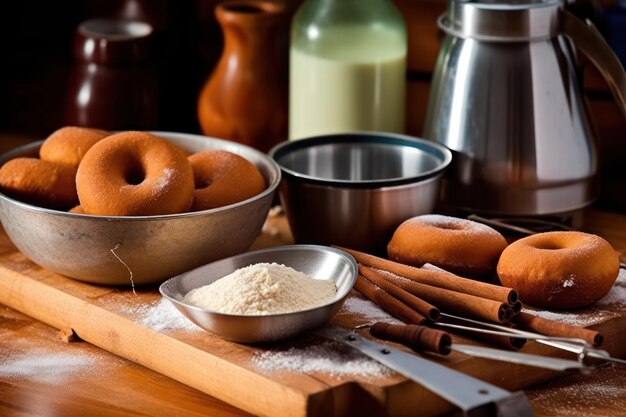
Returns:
point(69, 144)
point(222, 178)
point(460, 246)
point(134, 174)
point(38, 182)
point(559, 269)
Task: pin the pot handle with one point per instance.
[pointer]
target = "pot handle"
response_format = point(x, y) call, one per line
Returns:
point(587, 38)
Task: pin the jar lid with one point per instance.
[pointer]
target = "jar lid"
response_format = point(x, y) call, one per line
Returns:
point(497, 21)
point(110, 41)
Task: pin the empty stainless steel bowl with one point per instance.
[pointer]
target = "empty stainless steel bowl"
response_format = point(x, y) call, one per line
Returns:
point(318, 262)
point(354, 189)
point(105, 250)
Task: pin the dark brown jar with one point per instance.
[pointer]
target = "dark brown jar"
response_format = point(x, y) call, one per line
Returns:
point(114, 82)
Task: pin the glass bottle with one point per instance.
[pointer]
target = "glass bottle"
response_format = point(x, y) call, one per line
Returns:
point(347, 67)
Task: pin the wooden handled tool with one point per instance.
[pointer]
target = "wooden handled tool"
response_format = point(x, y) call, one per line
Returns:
point(417, 338)
point(423, 339)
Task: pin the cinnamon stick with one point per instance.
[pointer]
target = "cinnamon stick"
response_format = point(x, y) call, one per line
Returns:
point(387, 302)
point(425, 309)
point(439, 279)
point(537, 324)
point(450, 301)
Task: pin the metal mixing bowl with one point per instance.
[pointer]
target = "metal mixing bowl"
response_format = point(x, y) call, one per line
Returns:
point(354, 189)
point(105, 250)
point(318, 262)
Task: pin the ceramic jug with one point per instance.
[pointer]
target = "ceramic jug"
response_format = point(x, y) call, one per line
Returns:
point(113, 84)
point(245, 98)
point(507, 101)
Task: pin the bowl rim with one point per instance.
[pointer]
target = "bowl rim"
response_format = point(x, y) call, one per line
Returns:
point(385, 138)
point(14, 153)
point(338, 298)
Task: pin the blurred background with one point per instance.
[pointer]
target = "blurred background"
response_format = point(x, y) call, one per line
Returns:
point(36, 40)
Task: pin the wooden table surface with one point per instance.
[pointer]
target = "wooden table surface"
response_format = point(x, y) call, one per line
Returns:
point(40, 375)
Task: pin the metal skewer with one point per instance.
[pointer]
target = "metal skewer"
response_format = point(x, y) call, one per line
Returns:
point(522, 230)
point(577, 346)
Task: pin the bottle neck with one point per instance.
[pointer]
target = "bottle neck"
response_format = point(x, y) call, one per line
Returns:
point(345, 27)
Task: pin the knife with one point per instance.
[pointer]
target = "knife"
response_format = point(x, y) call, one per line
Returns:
point(423, 339)
point(473, 396)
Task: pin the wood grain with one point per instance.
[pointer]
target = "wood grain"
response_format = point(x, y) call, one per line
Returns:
point(103, 316)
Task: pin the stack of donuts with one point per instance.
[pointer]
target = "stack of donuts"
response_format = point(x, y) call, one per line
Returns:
point(92, 171)
point(552, 269)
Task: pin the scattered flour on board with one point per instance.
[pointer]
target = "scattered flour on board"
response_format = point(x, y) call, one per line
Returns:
point(45, 359)
point(612, 305)
point(263, 289)
point(328, 357)
point(571, 395)
point(46, 366)
point(161, 316)
point(366, 310)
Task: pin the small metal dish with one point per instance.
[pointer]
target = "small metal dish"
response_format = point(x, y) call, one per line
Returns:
point(319, 262)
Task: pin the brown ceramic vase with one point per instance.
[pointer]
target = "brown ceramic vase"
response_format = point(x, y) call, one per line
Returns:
point(245, 98)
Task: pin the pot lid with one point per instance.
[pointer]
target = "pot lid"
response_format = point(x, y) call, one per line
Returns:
point(501, 21)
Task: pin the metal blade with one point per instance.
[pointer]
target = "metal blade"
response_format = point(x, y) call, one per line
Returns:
point(602, 354)
point(468, 393)
point(518, 357)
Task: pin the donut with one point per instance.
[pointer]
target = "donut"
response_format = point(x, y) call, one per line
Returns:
point(559, 269)
point(42, 183)
point(134, 174)
point(77, 209)
point(460, 246)
point(222, 178)
point(69, 144)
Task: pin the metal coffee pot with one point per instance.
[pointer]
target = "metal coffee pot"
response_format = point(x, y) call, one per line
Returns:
point(507, 101)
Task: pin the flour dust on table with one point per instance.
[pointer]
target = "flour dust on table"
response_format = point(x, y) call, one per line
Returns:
point(161, 316)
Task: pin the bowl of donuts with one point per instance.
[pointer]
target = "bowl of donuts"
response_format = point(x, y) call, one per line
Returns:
point(133, 207)
point(353, 189)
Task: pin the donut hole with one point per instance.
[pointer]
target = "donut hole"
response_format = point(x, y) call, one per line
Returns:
point(548, 246)
point(450, 226)
point(135, 175)
point(201, 183)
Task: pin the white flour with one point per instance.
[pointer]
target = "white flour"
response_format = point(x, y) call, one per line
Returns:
point(572, 396)
point(46, 367)
point(367, 311)
point(329, 358)
point(161, 316)
point(45, 359)
point(263, 289)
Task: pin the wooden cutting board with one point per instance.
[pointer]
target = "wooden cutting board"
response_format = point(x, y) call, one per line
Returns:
point(113, 319)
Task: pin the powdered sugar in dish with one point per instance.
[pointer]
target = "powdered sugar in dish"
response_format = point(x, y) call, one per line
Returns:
point(263, 289)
